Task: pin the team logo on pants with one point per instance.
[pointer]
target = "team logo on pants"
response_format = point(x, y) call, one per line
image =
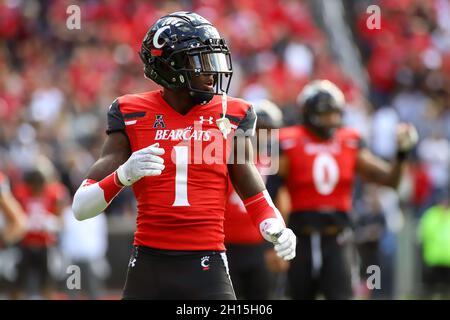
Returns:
point(205, 263)
point(159, 121)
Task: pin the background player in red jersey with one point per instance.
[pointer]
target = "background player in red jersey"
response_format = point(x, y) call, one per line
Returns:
point(250, 259)
point(319, 164)
point(14, 217)
point(173, 146)
point(43, 202)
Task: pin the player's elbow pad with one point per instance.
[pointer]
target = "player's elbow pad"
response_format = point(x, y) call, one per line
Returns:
point(92, 197)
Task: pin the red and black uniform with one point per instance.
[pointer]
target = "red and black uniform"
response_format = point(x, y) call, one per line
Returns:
point(239, 227)
point(181, 211)
point(320, 182)
point(245, 251)
point(41, 211)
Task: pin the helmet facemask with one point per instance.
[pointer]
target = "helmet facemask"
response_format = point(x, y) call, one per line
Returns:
point(208, 60)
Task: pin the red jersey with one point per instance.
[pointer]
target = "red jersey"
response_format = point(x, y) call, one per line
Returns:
point(183, 208)
point(38, 209)
point(239, 227)
point(321, 173)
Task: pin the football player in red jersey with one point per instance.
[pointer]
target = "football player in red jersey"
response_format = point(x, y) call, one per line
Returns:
point(43, 202)
point(249, 256)
point(153, 144)
point(319, 162)
point(15, 220)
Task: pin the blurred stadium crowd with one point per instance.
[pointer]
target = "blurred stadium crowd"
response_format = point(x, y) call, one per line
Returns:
point(56, 85)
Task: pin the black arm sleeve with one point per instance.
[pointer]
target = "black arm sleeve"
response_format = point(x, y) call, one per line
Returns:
point(115, 118)
point(248, 124)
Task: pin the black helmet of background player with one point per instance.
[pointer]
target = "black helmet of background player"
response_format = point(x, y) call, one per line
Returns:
point(183, 45)
point(321, 107)
point(35, 179)
point(268, 114)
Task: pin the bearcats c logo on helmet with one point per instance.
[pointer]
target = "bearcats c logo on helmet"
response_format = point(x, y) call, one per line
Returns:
point(156, 37)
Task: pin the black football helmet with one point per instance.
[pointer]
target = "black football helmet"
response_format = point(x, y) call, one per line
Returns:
point(319, 97)
point(182, 45)
point(269, 114)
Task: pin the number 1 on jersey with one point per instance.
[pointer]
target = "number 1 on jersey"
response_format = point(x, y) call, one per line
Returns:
point(181, 176)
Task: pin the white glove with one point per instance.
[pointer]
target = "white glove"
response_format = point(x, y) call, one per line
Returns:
point(407, 137)
point(142, 163)
point(284, 239)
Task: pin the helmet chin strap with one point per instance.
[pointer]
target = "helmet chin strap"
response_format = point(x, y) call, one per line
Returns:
point(223, 123)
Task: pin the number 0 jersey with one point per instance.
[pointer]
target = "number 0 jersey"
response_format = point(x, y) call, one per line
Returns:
point(183, 208)
point(321, 173)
